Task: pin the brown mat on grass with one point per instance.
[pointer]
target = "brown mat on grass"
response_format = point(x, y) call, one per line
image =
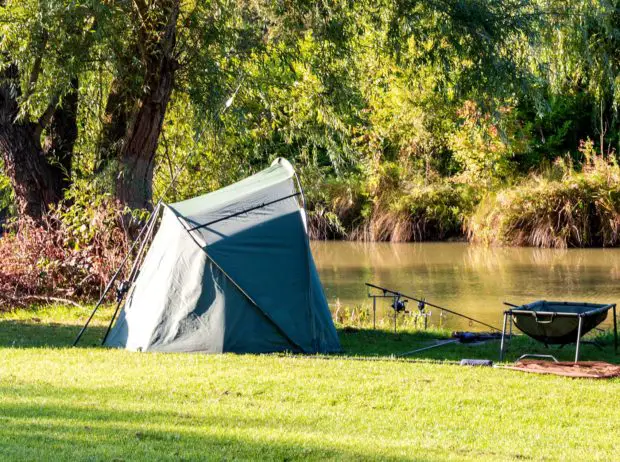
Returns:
point(587, 369)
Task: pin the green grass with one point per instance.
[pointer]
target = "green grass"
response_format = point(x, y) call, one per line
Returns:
point(90, 403)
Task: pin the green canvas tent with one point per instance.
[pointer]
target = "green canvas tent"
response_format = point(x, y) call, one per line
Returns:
point(230, 271)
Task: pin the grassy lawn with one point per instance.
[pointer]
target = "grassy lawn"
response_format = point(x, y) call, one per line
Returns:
point(90, 403)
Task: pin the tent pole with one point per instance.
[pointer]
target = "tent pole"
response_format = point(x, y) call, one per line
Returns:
point(242, 212)
point(252, 301)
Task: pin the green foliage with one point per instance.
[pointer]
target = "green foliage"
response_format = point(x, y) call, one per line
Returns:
point(484, 147)
point(335, 206)
point(396, 113)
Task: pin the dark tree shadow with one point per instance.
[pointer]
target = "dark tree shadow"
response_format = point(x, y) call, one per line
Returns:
point(73, 432)
point(28, 334)
point(381, 343)
point(356, 343)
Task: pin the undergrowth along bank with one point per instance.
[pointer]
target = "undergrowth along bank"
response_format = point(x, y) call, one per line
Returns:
point(74, 250)
point(563, 206)
point(69, 255)
point(390, 206)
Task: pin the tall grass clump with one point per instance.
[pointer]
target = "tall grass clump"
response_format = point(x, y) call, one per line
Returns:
point(407, 208)
point(390, 205)
point(335, 206)
point(418, 213)
point(562, 208)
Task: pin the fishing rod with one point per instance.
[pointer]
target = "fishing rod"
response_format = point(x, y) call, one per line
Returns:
point(424, 302)
point(142, 237)
point(445, 342)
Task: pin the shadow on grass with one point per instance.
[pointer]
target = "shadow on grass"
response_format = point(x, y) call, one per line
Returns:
point(356, 343)
point(73, 432)
point(381, 343)
point(29, 334)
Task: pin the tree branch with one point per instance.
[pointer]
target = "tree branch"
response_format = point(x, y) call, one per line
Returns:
point(46, 117)
point(36, 68)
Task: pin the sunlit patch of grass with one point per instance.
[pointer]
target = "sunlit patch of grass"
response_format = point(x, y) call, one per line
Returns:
point(64, 403)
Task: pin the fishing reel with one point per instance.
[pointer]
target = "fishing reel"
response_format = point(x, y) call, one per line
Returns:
point(121, 290)
point(400, 306)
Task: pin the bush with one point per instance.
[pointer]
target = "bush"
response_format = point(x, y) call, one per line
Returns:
point(390, 204)
point(419, 213)
point(71, 253)
point(563, 209)
point(335, 206)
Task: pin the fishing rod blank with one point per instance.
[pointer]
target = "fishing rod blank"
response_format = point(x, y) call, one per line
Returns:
point(147, 225)
point(385, 290)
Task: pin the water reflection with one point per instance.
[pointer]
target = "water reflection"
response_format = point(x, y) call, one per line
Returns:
point(471, 279)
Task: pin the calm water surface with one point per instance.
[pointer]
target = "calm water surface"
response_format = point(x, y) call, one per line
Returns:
point(469, 279)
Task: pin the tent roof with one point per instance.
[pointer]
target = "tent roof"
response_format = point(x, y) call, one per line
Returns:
point(244, 191)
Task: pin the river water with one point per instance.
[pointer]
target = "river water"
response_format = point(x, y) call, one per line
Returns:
point(472, 280)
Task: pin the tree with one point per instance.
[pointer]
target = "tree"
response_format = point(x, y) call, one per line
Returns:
point(140, 92)
point(36, 143)
point(136, 54)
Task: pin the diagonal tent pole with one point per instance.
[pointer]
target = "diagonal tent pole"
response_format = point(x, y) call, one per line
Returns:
point(262, 312)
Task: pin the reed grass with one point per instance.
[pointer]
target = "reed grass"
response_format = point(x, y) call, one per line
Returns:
point(418, 212)
point(562, 208)
point(395, 211)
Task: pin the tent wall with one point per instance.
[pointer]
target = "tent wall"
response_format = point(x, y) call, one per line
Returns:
point(182, 302)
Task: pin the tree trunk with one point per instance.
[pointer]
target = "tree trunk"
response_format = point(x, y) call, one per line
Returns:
point(115, 125)
point(61, 136)
point(131, 136)
point(37, 182)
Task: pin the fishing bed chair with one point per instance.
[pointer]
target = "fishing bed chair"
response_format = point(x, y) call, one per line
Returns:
point(556, 323)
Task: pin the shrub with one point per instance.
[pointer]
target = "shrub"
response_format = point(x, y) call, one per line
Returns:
point(420, 212)
point(484, 145)
point(576, 209)
point(335, 206)
point(71, 253)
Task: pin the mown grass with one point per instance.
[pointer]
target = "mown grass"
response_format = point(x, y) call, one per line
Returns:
point(90, 403)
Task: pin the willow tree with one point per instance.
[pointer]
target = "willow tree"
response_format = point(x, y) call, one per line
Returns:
point(143, 50)
point(580, 56)
point(135, 54)
point(38, 129)
point(48, 52)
